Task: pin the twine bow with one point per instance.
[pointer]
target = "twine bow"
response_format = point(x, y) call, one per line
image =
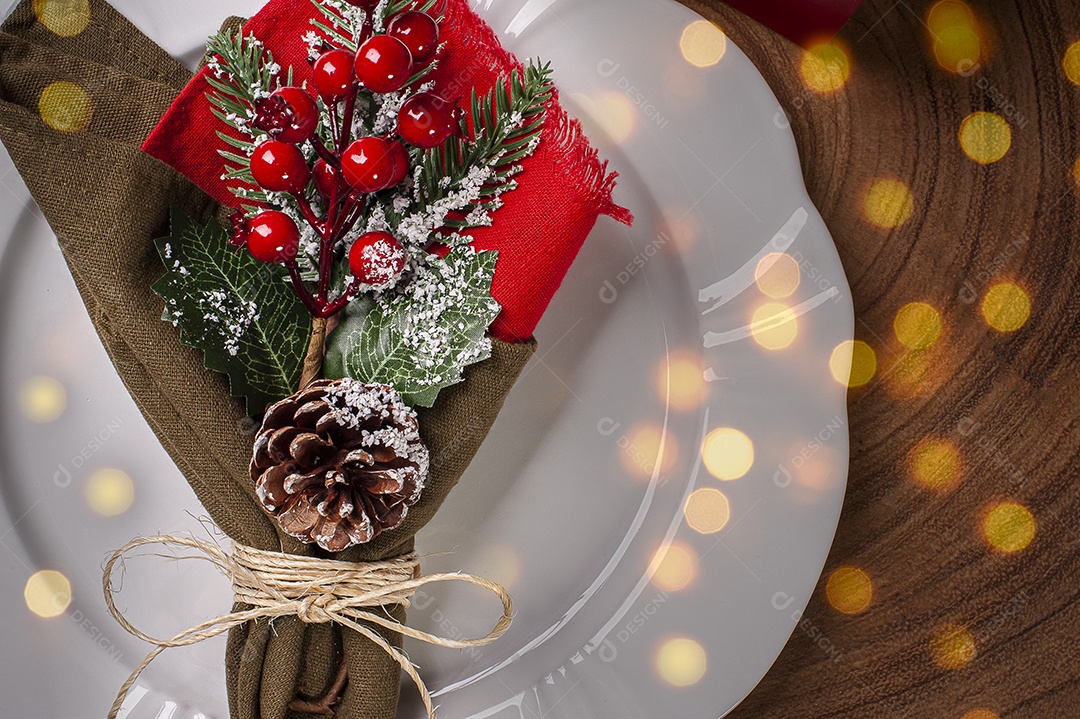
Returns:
point(317, 591)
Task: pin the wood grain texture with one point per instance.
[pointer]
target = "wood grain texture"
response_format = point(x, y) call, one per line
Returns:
point(1006, 401)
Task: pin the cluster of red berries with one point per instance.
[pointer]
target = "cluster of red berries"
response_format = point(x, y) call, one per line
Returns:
point(383, 63)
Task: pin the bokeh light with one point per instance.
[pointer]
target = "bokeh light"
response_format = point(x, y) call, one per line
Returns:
point(728, 453)
point(888, 203)
point(774, 326)
point(777, 275)
point(680, 379)
point(952, 647)
point(1008, 527)
point(910, 375)
point(612, 113)
point(849, 590)
point(1076, 172)
point(949, 13)
point(110, 491)
point(985, 137)
point(980, 714)
point(703, 44)
point(917, 325)
point(43, 399)
point(47, 593)
point(1006, 307)
point(65, 106)
point(680, 223)
point(499, 563)
point(681, 662)
point(707, 510)
point(853, 363)
point(65, 18)
point(935, 464)
point(1071, 63)
point(640, 451)
point(826, 67)
point(674, 567)
point(957, 38)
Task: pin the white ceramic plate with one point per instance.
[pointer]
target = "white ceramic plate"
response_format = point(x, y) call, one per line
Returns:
point(588, 471)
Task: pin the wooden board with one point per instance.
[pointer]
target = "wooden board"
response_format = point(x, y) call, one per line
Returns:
point(1002, 404)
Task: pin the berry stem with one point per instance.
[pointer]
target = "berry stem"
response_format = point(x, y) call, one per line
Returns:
point(328, 157)
point(302, 291)
point(308, 213)
point(339, 304)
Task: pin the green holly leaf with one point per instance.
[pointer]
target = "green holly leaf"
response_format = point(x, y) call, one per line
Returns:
point(419, 337)
point(240, 312)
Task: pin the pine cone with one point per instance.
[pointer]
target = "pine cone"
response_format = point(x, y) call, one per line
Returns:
point(339, 462)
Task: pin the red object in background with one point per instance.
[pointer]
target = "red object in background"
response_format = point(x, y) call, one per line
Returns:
point(561, 192)
point(806, 22)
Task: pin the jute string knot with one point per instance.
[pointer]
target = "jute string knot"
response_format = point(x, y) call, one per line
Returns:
point(315, 591)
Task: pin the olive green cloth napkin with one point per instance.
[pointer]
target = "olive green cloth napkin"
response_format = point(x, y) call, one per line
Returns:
point(76, 103)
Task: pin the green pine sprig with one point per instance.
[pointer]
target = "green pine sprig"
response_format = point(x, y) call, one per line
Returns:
point(247, 68)
point(506, 126)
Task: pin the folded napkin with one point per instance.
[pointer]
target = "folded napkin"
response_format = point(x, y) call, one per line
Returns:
point(76, 109)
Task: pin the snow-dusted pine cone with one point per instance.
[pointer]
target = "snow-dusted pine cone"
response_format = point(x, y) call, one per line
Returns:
point(339, 462)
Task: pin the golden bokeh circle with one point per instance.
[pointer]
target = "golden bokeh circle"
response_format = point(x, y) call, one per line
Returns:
point(935, 464)
point(917, 325)
point(825, 68)
point(681, 662)
point(909, 375)
point(110, 491)
point(612, 112)
point(680, 379)
point(1071, 63)
point(1009, 527)
point(674, 567)
point(949, 14)
point(952, 647)
point(47, 593)
point(958, 49)
point(65, 106)
point(727, 453)
point(43, 399)
point(853, 363)
point(980, 714)
point(65, 18)
point(888, 203)
point(645, 449)
point(1006, 307)
point(985, 137)
point(707, 510)
point(849, 590)
point(777, 275)
point(702, 43)
point(774, 326)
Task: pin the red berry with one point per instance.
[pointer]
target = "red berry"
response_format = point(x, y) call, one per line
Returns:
point(419, 32)
point(273, 237)
point(280, 167)
point(241, 228)
point(402, 163)
point(368, 164)
point(325, 177)
point(383, 64)
point(333, 74)
point(426, 120)
point(376, 258)
point(289, 114)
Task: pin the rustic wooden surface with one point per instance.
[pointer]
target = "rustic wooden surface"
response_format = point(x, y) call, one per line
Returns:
point(1005, 401)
